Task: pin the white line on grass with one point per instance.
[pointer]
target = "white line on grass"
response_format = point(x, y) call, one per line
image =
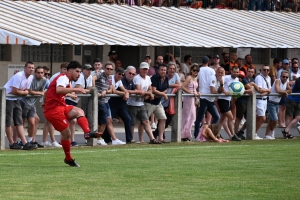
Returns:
point(28, 153)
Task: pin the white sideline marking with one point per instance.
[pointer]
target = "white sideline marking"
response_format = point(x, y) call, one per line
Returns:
point(135, 149)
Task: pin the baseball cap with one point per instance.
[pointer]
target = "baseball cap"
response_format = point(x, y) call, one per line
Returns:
point(148, 56)
point(216, 56)
point(87, 67)
point(205, 59)
point(144, 65)
point(112, 52)
point(285, 61)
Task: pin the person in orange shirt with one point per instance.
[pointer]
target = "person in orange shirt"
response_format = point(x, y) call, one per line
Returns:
point(233, 59)
point(248, 62)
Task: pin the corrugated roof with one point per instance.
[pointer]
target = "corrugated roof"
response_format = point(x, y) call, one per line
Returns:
point(96, 24)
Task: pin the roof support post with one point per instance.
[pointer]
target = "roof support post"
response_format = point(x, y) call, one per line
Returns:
point(2, 118)
point(92, 114)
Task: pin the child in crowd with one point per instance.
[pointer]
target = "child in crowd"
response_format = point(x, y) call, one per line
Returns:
point(211, 133)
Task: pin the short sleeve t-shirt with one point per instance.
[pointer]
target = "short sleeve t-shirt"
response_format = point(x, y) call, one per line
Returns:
point(160, 86)
point(203, 77)
point(54, 76)
point(227, 80)
point(245, 81)
point(213, 83)
point(184, 69)
point(36, 85)
point(18, 81)
point(295, 89)
point(85, 83)
point(53, 99)
point(102, 83)
point(144, 84)
point(263, 82)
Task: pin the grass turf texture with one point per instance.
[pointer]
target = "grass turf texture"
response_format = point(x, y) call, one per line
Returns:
point(244, 170)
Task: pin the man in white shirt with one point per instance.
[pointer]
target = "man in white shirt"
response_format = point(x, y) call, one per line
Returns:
point(19, 85)
point(136, 107)
point(206, 103)
point(97, 66)
point(263, 81)
point(224, 102)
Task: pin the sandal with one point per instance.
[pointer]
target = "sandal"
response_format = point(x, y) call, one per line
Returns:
point(286, 135)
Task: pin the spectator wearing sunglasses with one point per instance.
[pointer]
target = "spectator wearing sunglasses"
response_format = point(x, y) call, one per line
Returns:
point(263, 81)
point(103, 83)
point(281, 87)
point(282, 107)
point(294, 72)
point(118, 105)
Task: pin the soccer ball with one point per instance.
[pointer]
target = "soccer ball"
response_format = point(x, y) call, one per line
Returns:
point(236, 89)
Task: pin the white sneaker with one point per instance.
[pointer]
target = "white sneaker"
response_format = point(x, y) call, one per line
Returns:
point(267, 137)
point(101, 142)
point(153, 126)
point(273, 134)
point(117, 142)
point(257, 137)
point(56, 144)
point(46, 144)
point(298, 128)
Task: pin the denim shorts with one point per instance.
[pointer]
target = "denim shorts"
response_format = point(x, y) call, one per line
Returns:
point(103, 113)
point(273, 111)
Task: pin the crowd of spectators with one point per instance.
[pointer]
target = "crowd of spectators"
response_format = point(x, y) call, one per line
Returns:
point(143, 91)
point(254, 5)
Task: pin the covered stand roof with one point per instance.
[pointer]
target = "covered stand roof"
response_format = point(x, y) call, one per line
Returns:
point(33, 23)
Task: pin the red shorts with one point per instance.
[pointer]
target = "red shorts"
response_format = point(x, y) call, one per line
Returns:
point(58, 117)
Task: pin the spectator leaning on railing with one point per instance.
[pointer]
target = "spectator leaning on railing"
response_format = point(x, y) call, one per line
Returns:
point(37, 87)
point(18, 84)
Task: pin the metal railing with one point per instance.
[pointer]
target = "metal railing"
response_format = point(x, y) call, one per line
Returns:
point(92, 112)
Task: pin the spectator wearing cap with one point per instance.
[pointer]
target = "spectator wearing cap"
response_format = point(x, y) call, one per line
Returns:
point(103, 83)
point(185, 67)
point(97, 64)
point(135, 104)
point(112, 56)
point(248, 63)
point(225, 63)
point(160, 85)
point(151, 70)
point(282, 103)
point(206, 103)
point(277, 64)
point(216, 62)
point(159, 59)
point(84, 81)
point(118, 105)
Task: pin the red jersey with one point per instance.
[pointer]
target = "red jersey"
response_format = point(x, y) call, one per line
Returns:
point(53, 99)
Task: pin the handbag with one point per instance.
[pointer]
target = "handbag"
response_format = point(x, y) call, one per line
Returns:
point(171, 108)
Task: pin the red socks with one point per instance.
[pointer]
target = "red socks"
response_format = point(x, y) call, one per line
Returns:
point(83, 123)
point(66, 144)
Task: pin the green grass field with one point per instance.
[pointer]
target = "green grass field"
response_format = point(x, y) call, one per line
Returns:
point(244, 170)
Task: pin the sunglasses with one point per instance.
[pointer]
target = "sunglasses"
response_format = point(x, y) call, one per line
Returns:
point(133, 74)
point(266, 70)
point(109, 69)
point(284, 76)
point(47, 74)
point(121, 74)
point(286, 63)
point(194, 70)
point(295, 67)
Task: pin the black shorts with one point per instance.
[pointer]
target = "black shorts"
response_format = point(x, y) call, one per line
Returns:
point(241, 109)
point(71, 103)
point(224, 105)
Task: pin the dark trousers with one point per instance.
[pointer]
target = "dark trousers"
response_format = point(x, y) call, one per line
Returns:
point(168, 121)
point(123, 114)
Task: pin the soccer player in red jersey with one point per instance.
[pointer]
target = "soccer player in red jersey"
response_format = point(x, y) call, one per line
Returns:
point(58, 113)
